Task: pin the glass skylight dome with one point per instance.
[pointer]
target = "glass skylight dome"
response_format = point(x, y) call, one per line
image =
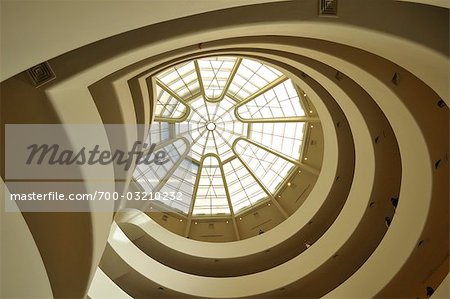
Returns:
point(234, 128)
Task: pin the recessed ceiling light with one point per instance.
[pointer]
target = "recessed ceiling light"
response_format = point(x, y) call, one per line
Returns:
point(306, 158)
point(289, 184)
point(310, 111)
point(181, 220)
point(268, 204)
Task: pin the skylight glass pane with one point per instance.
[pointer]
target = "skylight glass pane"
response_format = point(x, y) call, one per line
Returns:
point(158, 131)
point(211, 197)
point(268, 168)
point(250, 77)
point(167, 106)
point(179, 80)
point(212, 128)
point(215, 72)
point(182, 180)
point(279, 102)
point(285, 138)
point(218, 141)
point(150, 176)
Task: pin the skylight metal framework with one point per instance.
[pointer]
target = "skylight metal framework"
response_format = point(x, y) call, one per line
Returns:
point(270, 169)
point(169, 106)
point(243, 124)
point(279, 102)
point(216, 75)
point(252, 76)
point(182, 80)
point(211, 197)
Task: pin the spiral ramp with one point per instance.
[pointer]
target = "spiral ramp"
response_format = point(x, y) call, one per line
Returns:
point(377, 75)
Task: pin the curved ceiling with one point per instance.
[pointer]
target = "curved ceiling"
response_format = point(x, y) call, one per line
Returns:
point(372, 223)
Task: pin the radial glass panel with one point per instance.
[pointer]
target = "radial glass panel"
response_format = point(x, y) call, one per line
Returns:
point(211, 198)
point(182, 180)
point(269, 168)
point(159, 131)
point(251, 76)
point(167, 106)
point(181, 80)
point(151, 176)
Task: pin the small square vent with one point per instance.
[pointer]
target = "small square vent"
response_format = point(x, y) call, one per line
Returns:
point(328, 7)
point(41, 74)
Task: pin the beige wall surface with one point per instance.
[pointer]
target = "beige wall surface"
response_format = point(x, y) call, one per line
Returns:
point(35, 31)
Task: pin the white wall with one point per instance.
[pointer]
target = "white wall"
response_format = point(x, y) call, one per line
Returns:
point(35, 31)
